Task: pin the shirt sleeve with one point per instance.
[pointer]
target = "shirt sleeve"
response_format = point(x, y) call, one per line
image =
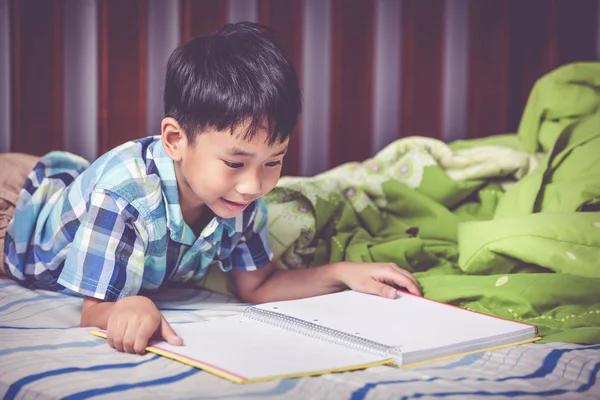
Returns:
point(106, 259)
point(253, 251)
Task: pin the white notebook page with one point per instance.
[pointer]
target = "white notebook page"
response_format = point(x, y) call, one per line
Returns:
point(412, 322)
point(253, 350)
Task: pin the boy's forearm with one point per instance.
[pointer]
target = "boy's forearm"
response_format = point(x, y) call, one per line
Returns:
point(297, 284)
point(95, 313)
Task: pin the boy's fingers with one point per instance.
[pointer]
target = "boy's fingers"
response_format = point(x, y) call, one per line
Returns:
point(412, 285)
point(129, 337)
point(109, 335)
point(377, 288)
point(406, 279)
point(402, 280)
point(408, 284)
point(117, 335)
point(404, 272)
point(169, 334)
point(143, 334)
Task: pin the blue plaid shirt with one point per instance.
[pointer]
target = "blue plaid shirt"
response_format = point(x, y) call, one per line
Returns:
point(114, 228)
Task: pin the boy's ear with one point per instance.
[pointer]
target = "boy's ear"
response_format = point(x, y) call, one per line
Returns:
point(173, 138)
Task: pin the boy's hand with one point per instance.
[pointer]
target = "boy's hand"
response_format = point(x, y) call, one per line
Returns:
point(376, 278)
point(132, 322)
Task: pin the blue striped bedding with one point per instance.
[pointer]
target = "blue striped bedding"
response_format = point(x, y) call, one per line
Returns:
point(44, 354)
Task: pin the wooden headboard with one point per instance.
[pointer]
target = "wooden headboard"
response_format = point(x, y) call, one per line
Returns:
point(86, 75)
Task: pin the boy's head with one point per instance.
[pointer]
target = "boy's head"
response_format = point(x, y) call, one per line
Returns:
point(231, 101)
point(236, 76)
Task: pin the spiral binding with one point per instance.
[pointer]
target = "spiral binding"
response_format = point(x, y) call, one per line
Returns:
point(309, 329)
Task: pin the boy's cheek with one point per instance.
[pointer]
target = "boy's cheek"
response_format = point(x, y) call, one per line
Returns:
point(271, 185)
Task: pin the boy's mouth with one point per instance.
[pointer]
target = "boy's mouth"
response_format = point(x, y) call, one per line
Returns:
point(233, 206)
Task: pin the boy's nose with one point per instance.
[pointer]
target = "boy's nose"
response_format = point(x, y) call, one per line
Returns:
point(250, 186)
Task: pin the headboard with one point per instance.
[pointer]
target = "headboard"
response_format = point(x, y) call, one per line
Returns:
point(86, 75)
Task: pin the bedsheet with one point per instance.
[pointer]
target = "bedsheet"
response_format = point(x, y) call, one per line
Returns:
point(44, 354)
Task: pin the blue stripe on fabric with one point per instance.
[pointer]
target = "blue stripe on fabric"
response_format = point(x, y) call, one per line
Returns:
point(591, 379)
point(462, 362)
point(27, 300)
point(72, 345)
point(364, 390)
point(16, 386)
point(517, 393)
point(126, 386)
point(30, 316)
point(548, 365)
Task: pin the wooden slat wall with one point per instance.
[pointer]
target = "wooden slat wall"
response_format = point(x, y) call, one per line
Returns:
point(351, 80)
point(511, 44)
point(122, 70)
point(545, 34)
point(36, 76)
point(422, 66)
point(199, 17)
point(286, 19)
point(532, 50)
point(488, 84)
point(576, 30)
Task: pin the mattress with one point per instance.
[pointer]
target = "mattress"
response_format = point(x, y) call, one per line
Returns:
point(44, 354)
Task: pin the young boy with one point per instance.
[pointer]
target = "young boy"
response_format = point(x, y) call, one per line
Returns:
point(162, 209)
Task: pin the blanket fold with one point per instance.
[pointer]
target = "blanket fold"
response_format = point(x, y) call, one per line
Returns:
point(507, 225)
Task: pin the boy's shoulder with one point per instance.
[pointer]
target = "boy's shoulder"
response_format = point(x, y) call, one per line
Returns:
point(123, 156)
point(131, 171)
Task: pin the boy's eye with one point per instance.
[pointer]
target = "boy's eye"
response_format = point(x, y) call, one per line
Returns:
point(233, 164)
point(273, 163)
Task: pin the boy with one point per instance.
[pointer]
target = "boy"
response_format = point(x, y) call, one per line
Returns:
point(162, 209)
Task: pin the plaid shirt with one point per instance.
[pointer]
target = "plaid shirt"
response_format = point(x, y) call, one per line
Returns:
point(115, 228)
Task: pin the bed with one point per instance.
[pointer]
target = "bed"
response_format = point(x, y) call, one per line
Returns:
point(507, 225)
point(45, 354)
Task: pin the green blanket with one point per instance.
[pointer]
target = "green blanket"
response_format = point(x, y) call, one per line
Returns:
point(507, 225)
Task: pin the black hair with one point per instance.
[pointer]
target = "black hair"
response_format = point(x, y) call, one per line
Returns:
point(235, 76)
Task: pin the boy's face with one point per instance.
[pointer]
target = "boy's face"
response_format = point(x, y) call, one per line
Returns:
point(225, 172)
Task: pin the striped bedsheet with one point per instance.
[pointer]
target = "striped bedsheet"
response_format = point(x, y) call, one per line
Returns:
point(44, 355)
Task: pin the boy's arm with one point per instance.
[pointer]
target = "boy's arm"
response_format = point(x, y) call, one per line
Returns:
point(271, 284)
point(95, 312)
point(129, 323)
point(111, 241)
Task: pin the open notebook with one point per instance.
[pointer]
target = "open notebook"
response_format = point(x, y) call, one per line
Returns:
point(336, 332)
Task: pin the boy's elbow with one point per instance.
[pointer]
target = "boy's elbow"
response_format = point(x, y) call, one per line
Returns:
point(248, 296)
point(252, 286)
point(253, 294)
